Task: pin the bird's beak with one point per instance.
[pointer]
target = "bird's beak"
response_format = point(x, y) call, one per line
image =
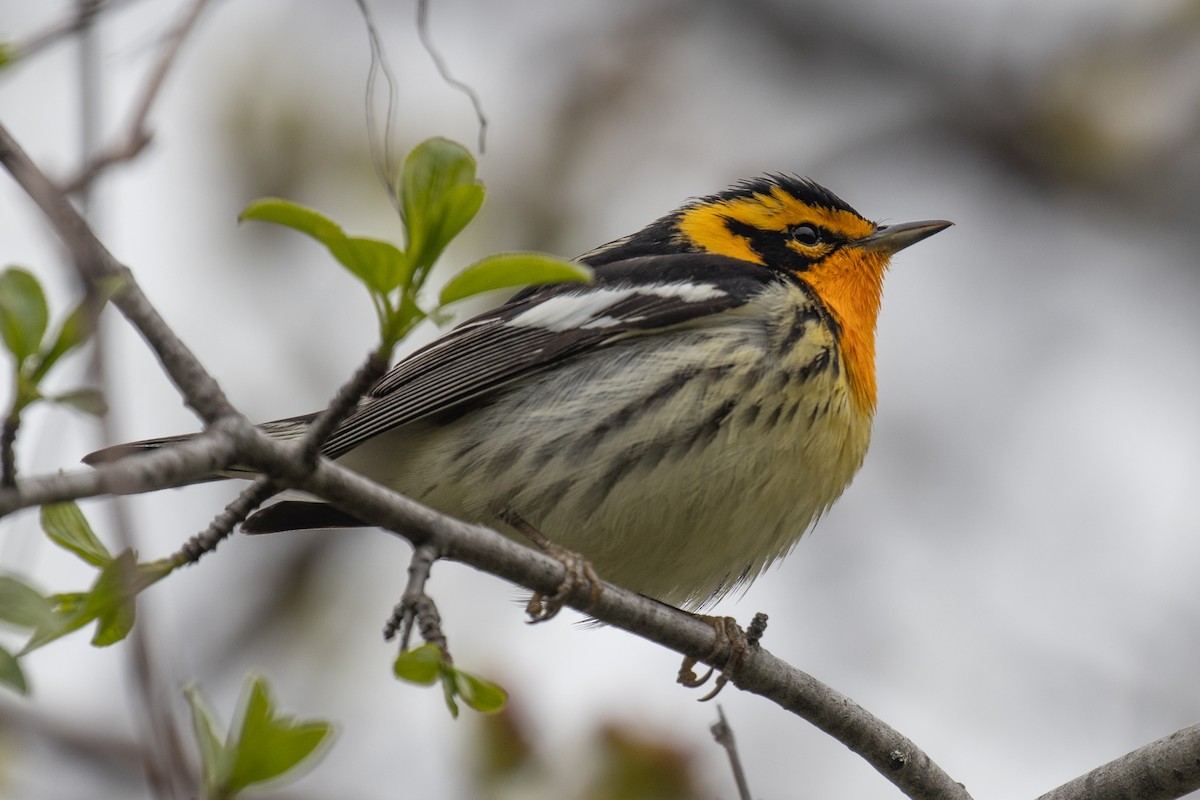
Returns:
point(891, 239)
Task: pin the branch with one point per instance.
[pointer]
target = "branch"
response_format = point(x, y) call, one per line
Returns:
point(95, 264)
point(427, 42)
point(1162, 770)
point(893, 755)
point(888, 751)
point(168, 468)
point(65, 27)
point(343, 405)
point(138, 136)
point(724, 736)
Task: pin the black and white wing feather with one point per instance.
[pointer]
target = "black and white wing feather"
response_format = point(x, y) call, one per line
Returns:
point(544, 326)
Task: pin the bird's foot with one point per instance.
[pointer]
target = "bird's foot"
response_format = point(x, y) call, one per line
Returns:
point(730, 647)
point(578, 573)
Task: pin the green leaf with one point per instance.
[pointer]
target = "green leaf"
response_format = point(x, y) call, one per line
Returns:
point(22, 605)
point(68, 618)
point(439, 196)
point(296, 216)
point(66, 526)
point(113, 600)
point(508, 270)
point(8, 54)
point(11, 674)
point(380, 265)
point(215, 760)
point(420, 665)
point(78, 326)
point(481, 695)
point(23, 312)
point(87, 400)
point(270, 744)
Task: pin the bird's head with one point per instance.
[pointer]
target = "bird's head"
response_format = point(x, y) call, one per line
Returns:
point(804, 232)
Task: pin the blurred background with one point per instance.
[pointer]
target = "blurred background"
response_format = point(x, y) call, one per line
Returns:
point(1011, 581)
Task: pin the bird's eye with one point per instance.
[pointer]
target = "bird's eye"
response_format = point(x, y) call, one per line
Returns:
point(806, 235)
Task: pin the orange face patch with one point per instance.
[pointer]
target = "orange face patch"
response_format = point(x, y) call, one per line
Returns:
point(848, 280)
point(707, 226)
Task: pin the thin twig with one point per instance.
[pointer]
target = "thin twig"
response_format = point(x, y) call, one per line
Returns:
point(170, 467)
point(138, 135)
point(444, 70)
point(94, 264)
point(89, 93)
point(168, 776)
point(416, 605)
point(381, 148)
point(342, 406)
point(261, 490)
point(724, 736)
point(61, 30)
point(84, 743)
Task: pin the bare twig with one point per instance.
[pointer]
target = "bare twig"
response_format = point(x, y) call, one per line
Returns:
point(94, 263)
point(170, 467)
point(138, 135)
point(62, 29)
point(342, 405)
point(724, 736)
point(105, 748)
point(1162, 770)
point(444, 71)
point(416, 605)
point(381, 147)
point(89, 92)
point(261, 490)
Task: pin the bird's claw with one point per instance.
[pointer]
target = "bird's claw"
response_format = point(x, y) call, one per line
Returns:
point(730, 646)
point(578, 573)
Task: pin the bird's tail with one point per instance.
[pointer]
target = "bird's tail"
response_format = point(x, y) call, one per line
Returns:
point(290, 428)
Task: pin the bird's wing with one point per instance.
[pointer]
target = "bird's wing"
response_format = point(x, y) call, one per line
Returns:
point(545, 326)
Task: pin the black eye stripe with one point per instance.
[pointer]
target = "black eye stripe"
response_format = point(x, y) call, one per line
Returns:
point(773, 246)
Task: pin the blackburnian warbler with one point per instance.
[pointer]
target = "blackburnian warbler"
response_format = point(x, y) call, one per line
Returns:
point(680, 422)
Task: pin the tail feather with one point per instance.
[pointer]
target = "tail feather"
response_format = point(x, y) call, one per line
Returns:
point(119, 451)
point(297, 515)
point(290, 428)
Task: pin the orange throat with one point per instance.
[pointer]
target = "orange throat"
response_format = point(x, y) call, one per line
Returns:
point(851, 289)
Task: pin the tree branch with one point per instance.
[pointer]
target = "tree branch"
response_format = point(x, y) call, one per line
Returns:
point(167, 468)
point(95, 265)
point(724, 736)
point(138, 135)
point(1162, 770)
point(65, 27)
point(893, 755)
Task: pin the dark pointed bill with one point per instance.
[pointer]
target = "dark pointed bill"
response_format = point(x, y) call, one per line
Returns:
point(894, 238)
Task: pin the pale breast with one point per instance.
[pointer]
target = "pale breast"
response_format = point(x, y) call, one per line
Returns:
point(678, 470)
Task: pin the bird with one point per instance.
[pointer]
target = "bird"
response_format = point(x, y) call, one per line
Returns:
point(679, 422)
